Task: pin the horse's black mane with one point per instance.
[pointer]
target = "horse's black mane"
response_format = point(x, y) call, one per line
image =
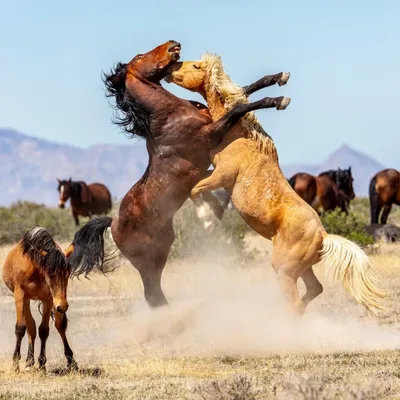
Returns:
point(40, 247)
point(129, 116)
point(340, 177)
point(75, 187)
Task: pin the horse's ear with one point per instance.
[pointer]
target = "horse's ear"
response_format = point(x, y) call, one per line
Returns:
point(70, 180)
point(350, 168)
point(58, 180)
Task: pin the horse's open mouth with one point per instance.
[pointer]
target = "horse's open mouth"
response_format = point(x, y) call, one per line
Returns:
point(175, 51)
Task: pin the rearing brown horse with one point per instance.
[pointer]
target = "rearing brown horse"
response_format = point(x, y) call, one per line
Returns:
point(384, 191)
point(86, 200)
point(179, 136)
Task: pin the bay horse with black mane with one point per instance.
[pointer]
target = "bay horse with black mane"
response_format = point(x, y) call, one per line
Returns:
point(86, 200)
point(325, 192)
point(37, 269)
point(179, 136)
point(384, 191)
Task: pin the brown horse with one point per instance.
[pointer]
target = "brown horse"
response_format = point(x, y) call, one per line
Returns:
point(37, 269)
point(179, 136)
point(384, 191)
point(325, 192)
point(246, 164)
point(86, 200)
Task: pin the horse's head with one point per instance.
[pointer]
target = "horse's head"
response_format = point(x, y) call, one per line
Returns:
point(57, 281)
point(345, 182)
point(64, 188)
point(153, 65)
point(190, 75)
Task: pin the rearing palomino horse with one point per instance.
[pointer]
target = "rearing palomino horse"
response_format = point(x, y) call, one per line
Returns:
point(246, 165)
point(179, 136)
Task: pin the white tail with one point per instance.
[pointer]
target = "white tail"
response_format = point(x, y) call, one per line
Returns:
point(346, 262)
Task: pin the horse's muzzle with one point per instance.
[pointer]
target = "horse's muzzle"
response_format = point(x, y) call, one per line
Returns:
point(62, 309)
point(175, 50)
point(61, 204)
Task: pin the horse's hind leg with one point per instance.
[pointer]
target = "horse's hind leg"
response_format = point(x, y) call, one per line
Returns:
point(20, 326)
point(313, 286)
point(44, 333)
point(151, 262)
point(76, 218)
point(61, 323)
point(385, 213)
point(31, 330)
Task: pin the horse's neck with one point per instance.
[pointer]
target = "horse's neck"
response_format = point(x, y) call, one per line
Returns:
point(217, 110)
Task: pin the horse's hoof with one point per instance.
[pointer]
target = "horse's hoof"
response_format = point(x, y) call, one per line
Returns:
point(284, 78)
point(284, 103)
point(28, 368)
point(72, 366)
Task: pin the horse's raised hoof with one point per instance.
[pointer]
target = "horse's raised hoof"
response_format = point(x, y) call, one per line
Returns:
point(284, 78)
point(284, 103)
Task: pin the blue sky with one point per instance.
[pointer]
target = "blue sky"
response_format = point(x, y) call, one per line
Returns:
point(343, 57)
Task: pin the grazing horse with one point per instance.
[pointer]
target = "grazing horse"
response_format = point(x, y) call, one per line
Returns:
point(325, 192)
point(37, 269)
point(86, 200)
point(246, 165)
point(179, 136)
point(384, 191)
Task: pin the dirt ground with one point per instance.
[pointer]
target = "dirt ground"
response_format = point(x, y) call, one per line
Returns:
point(225, 335)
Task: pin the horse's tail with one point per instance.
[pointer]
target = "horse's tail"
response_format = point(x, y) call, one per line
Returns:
point(292, 180)
point(346, 262)
point(87, 249)
point(373, 200)
point(39, 246)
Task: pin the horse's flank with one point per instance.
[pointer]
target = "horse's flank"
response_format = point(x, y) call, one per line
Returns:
point(231, 94)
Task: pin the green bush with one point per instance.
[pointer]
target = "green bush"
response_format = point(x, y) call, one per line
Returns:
point(351, 226)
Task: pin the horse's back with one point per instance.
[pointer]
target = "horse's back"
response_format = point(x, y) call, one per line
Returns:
point(304, 185)
point(387, 185)
point(101, 198)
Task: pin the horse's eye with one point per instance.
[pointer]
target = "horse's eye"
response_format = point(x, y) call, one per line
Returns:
point(139, 56)
point(195, 66)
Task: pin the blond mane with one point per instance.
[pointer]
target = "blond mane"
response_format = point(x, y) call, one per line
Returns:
point(232, 94)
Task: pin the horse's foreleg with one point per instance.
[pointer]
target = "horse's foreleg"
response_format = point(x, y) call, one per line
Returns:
point(76, 219)
point(31, 329)
point(268, 80)
point(44, 333)
point(20, 326)
point(200, 193)
point(385, 213)
point(218, 128)
point(61, 323)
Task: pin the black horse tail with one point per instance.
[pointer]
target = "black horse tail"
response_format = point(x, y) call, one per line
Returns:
point(39, 246)
point(292, 181)
point(88, 248)
point(373, 200)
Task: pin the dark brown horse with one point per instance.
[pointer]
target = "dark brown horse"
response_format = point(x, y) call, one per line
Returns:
point(37, 269)
point(86, 200)
point(325, 192)
point(384, 191)
point(179, 136)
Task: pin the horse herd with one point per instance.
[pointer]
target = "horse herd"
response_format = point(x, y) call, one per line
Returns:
point(183, 138)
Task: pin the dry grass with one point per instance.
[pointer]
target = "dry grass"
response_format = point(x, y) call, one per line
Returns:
point(226, 335)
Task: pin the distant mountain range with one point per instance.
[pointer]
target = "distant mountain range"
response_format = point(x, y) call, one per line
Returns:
point(30, 167)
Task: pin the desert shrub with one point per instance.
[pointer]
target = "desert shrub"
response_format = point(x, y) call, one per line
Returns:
point(351, 226)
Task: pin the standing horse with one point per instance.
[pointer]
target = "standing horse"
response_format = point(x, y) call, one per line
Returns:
point(384, 191)
point(37, 269)
point(246, 164)
point(86, 200)
point(179, 136)
point(325, 192)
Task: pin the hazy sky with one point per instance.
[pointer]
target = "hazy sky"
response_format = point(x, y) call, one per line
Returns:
point(343, 57)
